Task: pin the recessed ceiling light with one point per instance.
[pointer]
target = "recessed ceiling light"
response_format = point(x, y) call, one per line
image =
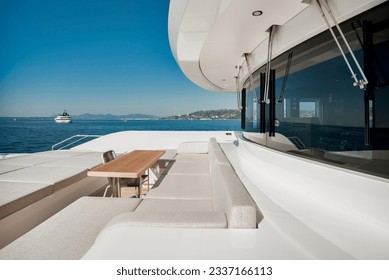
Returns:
point(257, 13)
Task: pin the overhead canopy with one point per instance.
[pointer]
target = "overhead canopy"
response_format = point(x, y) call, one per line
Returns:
point(210, 36)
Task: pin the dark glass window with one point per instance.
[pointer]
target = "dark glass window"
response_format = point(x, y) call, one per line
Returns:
point(319, 113)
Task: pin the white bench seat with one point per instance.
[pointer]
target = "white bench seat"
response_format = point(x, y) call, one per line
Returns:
point(196, 191)
point(192, 157)
point(64, 153)
point(5, 168)
point(69, 233)
point(176, 205)
point(29, 160)
point(182, 187)
point(167, 219)
point(17, 195)
point(189, 168)
point(75, 162)
point(58, 177)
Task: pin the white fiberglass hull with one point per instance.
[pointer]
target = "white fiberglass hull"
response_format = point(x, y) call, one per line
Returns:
point(63, 120)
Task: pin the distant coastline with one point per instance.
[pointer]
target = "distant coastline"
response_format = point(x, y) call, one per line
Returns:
point(222, 114)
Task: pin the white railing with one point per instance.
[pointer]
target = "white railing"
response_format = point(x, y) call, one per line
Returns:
point(79, 137)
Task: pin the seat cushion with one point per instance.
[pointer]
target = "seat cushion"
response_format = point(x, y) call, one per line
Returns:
point(59, 177)
point(182, 187)
point(176, 205)
point(192, 157)
point(164, 219)
point(193, 148)
point(29, 160)
point(231, 197)
point(17, 195)
point(186, 168)
point(69, 233)
point(78, 162)
point(63, 153)
point(5, 168)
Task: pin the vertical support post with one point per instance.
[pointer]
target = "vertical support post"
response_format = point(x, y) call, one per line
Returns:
point(262, 126)
point(368, 57)
point(243, 111)
point(272, 98)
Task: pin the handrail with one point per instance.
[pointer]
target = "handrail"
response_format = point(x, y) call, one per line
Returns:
point(80, 136)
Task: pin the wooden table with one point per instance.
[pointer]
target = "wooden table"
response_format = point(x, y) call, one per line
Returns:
point(131, 165)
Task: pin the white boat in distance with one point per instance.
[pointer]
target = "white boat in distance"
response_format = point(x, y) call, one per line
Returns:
point(64, 118)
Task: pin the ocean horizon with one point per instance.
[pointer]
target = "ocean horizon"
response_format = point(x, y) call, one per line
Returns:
point(36, 135)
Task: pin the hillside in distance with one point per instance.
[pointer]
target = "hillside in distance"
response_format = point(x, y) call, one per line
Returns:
point(113, 117)
point(222, 114)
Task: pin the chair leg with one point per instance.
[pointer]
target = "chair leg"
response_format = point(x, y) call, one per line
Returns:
point(106, 189)
point(148, 180)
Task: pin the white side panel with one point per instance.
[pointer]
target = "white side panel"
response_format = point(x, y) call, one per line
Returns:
point(347, 208)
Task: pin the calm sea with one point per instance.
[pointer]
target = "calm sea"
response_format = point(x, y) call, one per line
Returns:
point(26, 136)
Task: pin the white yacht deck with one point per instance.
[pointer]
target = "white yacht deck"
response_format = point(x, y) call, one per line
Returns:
point(182, 217)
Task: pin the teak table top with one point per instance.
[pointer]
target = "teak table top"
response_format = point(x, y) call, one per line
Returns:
point(131, 165)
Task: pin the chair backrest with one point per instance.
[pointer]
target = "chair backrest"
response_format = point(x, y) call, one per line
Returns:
point(108, 156)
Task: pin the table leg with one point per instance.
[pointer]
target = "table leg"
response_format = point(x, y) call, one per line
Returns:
point(116, 187)
point(140, 187)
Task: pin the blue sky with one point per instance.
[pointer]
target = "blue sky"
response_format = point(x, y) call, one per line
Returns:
point(93, 56)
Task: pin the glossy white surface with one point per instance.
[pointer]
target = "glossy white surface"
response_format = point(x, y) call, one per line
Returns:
point(209, 37)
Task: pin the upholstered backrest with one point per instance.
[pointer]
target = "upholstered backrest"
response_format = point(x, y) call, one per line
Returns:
point(231, 197)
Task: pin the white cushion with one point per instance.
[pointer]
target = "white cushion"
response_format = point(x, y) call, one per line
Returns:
point(78, 162)
point(192, 157)
point(69, 233)
point(232, 198)
point(164, 219)
point(59, 177)
point(189, 168)
point(5, 168)
point(63, 153)
point(176, 205)
point(17, 195)
point(182, 187)
point(193, 148)
point(95, 155)
point(29, 160)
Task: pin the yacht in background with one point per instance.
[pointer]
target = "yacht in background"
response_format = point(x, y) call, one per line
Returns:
point(312, 84)
point(64, 118)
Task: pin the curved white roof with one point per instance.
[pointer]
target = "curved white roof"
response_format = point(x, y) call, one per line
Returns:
point(209, 37)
